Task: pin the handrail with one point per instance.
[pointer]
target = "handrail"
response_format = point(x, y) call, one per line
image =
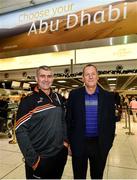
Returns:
point(127, 111)
point(13, 141)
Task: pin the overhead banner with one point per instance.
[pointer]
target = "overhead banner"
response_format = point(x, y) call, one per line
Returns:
point(67, 21)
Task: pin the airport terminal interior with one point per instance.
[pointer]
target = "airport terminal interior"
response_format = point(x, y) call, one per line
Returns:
point(114, 56)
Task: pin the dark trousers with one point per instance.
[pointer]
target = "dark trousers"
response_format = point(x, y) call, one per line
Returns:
point(49, 168)
point(97, 162)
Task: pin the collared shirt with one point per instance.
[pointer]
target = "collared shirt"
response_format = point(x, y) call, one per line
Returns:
point(91, 109)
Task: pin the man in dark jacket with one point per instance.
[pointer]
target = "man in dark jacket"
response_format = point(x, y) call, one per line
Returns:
point(91, 125)
point(41, 130)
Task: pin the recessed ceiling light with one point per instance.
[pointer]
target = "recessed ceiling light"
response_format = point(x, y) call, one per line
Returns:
point(111, 79)
point(132, 88)
point(75, 85)
point(125, 39)
point(111, 41)
point(112, 84)
point(33, 82)
point(61, 81)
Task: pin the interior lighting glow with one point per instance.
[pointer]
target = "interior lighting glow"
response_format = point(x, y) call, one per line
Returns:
point(113, 84)
point(125, 39)
point(75, 85)
point(61, 81)
point(111, 79)
point(111, 41)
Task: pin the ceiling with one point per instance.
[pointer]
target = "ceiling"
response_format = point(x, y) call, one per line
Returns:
point(9, 5)
point(125, 73)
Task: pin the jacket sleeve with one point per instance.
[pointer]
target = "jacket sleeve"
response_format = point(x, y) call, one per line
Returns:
point(24, 114)
point(63, 104)
point(64, 127)
point(69, 115)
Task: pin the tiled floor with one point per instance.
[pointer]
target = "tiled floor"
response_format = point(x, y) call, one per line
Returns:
point(121, 163)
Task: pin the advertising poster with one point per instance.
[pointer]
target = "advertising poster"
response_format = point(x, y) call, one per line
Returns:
point(67, 21)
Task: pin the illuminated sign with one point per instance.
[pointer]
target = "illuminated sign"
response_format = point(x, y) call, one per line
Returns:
point(26, 86)
point(15, 84)
point(67, 21)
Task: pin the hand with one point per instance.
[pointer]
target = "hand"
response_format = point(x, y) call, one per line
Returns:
point(69, 151)
point(36, 164)
point(40, 169)
point(66, 144)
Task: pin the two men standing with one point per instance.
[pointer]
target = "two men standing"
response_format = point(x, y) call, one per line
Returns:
point(41, 127)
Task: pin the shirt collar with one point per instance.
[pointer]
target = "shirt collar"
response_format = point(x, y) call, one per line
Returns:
point(95, 93)
point(38, 90)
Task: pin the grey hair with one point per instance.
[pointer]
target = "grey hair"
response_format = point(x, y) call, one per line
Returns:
point(46, 68)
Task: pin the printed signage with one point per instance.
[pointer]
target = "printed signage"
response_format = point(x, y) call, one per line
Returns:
point(67, 21)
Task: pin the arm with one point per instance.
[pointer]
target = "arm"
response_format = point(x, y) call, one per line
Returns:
point(62, 102)
point(69, 115)
point(24, 115)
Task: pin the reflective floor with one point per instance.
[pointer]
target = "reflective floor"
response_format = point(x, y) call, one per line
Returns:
point(121, 163)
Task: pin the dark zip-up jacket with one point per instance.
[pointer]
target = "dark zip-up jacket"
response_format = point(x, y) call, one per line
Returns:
point(40, 126)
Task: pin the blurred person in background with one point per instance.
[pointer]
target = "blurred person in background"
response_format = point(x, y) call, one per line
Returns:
point(133, 106)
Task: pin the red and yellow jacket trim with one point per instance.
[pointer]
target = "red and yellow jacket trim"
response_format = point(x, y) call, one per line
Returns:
point(27, 116)
point(35, 165)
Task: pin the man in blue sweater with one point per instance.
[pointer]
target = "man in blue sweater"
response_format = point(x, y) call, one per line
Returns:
point(91, 125)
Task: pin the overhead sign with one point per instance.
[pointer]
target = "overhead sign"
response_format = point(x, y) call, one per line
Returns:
point(67, 21)
point(107, 53)
point(91, 55)
point(33, 61)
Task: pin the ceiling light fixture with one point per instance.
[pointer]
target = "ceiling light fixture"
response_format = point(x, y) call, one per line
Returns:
point(33, 82)
point(111, 41)
point(111, 79)
point(56, 48)
point(75, 85)
point(112, 84)
point(61, 81)
point(125, 39)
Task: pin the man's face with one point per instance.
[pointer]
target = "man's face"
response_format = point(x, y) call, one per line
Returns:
point(44, 79)
point(90, 77)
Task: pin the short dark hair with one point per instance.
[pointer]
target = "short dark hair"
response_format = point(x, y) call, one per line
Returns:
point(44, 67)
point(89, 65)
